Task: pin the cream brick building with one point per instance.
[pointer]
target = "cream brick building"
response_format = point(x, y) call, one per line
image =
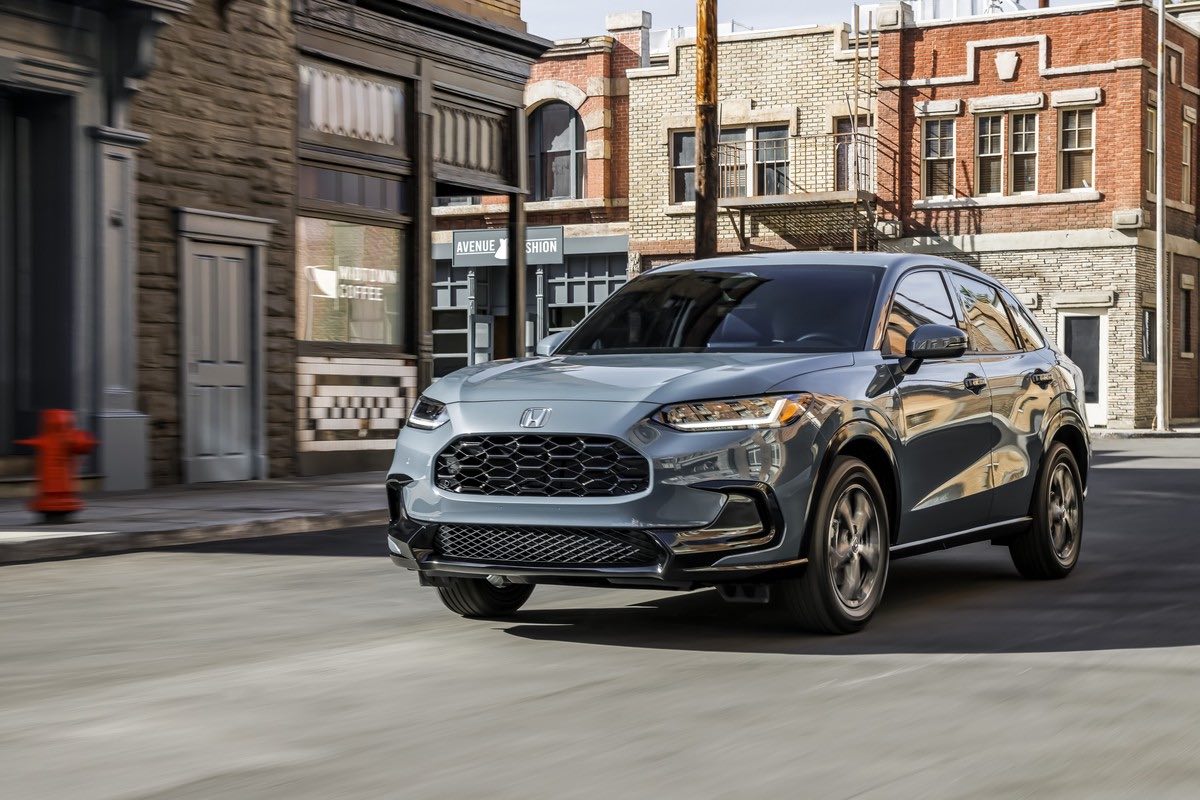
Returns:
point(789, 177)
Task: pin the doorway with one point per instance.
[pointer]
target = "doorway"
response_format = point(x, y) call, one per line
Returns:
point(1083, 336)
point(219, 418)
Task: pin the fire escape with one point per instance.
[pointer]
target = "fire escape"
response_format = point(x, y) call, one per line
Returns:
point(814, 191)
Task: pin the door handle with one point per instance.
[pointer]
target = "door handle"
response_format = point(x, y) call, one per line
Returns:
point(1041, 377)
point(975, 383)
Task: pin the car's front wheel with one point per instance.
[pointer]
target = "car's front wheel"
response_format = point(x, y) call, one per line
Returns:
point(847, 555)
point(1049, 548)
point(483, 597)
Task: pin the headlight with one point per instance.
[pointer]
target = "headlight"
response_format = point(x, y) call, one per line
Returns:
point(428, 414)
point(743, 413)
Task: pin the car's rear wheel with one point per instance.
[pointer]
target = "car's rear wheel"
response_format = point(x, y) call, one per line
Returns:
point(1049, 548)
point(483, 597)
point(847, 555)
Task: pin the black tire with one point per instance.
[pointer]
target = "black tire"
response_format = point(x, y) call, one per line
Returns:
point(1049, 548)
point(839, 552)
point(478, 597)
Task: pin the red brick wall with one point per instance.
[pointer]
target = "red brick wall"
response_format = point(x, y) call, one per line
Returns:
point(1078, 38)
point(1185, 374)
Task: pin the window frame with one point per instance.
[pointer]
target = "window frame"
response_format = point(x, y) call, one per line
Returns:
point(1188, 140)
point(966, 323)
point(1149, 151)
point(952, 159)
point(749, 140)
point(1010, 173)
point(1187, 329)
point(979, 155)
point(1063, 149)
point(576, 154)
point(1149, 342)
point(891, 302)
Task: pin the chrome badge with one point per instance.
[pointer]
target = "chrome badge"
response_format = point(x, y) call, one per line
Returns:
point(534, 417)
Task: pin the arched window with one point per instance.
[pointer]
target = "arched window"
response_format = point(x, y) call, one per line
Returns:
point(557, 153)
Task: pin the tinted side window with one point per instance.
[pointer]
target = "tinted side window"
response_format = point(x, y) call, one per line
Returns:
point(987, 321)
point(920, 299)
point(1028, 329)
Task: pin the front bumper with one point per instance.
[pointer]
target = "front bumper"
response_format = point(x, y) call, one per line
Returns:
point(685, 507)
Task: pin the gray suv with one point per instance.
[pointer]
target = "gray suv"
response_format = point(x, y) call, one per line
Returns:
point(777, 426)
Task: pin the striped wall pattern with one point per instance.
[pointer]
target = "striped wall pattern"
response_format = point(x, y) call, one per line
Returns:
point(352, 403)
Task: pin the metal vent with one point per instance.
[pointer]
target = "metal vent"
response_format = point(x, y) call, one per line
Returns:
point(541, 466)
point(595, 547)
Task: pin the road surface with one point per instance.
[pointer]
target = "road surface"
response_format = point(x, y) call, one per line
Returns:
point(309, 667)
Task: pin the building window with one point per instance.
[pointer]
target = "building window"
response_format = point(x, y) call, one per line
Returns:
point(855, 152)
point(1185, 162)
point(1185, 321)
point(349, 282)
point(1024, 153)
point(557, 153)
point(939, 158)
point(1149, 335)
point(458, 200)
point(1076, 149)
point(1173, 67)
point(683, 167)
point(752, 161)
point(989, 155)
point(1149, 162)
point(361, 190)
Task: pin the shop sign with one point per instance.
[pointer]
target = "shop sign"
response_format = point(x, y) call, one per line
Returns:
point(489, 248)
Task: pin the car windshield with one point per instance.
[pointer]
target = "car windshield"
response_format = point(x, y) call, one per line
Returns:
point(788, 308)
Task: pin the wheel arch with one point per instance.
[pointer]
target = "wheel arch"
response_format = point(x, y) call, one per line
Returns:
point(866, 442)
point(1069, 430)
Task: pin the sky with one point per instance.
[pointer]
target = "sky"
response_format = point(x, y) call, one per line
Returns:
point(564, 19)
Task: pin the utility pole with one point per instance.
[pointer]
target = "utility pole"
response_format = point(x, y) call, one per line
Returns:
point(1162, 343)
point(707, 130)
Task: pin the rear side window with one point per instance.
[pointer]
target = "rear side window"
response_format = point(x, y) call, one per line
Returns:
point(920, 299)
point(1029, 330)
point(987, 322)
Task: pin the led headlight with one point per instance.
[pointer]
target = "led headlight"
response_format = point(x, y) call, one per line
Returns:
point(428, 414)
point(743, 413)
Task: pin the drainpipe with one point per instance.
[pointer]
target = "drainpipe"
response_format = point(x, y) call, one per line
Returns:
point(1161, 421)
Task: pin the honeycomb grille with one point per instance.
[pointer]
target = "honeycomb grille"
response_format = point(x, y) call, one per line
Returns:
point(541, 466)
point(593, 547)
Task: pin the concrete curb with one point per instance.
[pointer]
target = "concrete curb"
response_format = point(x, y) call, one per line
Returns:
point(84, 544)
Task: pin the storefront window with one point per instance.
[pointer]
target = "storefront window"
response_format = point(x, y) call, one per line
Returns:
point(349, 283)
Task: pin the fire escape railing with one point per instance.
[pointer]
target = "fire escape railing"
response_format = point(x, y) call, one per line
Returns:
point(798, 165)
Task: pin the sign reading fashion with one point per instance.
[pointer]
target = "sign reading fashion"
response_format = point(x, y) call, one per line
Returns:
point(489, 248)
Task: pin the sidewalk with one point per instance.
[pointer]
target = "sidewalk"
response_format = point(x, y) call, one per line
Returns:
point(113, 523)
point(1180, 432)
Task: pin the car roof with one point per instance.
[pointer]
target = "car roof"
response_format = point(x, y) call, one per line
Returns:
point(892, 262)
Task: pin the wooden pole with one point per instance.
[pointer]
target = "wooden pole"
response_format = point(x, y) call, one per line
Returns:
point(707, 130)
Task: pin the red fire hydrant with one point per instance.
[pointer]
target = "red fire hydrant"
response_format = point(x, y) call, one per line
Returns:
point(58, 444)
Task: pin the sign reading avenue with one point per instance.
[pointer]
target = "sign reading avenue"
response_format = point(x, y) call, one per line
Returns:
point(489, 248)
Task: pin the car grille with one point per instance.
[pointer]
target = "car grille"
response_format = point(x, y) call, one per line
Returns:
point(541, 466)
point(592, 547)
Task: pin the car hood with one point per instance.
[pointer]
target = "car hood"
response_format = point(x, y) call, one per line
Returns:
point(656, 378)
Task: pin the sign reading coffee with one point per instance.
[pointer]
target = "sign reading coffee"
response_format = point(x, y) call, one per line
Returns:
point(489, 248)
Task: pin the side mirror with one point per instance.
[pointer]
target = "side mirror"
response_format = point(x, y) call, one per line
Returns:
point(546, 346)
point(932, 341)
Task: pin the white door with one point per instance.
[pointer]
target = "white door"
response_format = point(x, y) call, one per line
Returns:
point(1083, 336)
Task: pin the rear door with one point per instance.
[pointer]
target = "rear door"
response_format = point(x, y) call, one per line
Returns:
point(945, 420)
point(1019, 374)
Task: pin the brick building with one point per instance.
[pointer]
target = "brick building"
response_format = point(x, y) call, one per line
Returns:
point(1023, 143)
point(577, 118)
point(796, 172)
point(232, 220)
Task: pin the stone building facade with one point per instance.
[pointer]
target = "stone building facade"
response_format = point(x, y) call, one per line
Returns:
point(234, 217)
point(577, 116)
point(795, 172)
point(1020, 145)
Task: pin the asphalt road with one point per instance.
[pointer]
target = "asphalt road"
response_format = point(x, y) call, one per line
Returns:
point(308, 667)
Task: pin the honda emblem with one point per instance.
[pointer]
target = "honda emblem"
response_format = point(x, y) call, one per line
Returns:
point(535, 417)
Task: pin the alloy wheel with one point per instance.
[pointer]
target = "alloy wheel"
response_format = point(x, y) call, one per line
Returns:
point(1063, 516)
point(854, 546)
